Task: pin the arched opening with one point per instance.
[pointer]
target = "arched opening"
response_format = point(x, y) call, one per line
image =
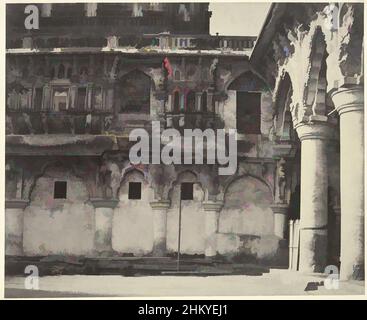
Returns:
point(249, 90)
point(315, 95)
point(133, 216)
point(247, 216)
point(284, 130)
point(192, 238)
point(133, 93)
point(190, 101)
point(59, 218)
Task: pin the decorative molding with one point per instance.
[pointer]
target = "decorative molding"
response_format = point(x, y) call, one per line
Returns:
point(160, 204)
point(348, 99)
point(213, 205)
point(104, 203)
point(16, 204)
point(280, 208)
point(315, 130)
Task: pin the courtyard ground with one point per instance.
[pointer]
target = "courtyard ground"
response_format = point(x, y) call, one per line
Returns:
point(275, 283)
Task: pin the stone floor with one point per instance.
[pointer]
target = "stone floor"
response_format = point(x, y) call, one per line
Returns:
point(275, 283)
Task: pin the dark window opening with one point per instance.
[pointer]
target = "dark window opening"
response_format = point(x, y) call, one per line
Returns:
point(176, 102)
point(177, 75)
point(60, 190)
point(190, 101)
point(82, 93)
point(38, 98)
point(134, 190)
point(187, 191)
point(248, 112)
point(69, 73)
point(204, 102)
point(61, 72)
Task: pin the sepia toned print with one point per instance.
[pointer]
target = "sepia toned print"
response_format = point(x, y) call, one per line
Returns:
point(147, 155)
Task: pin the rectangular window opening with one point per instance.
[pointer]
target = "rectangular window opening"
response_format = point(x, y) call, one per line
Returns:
point(248, 113)
point(82, 93)
point(135, 190)
point(38, 99)
point(60, 188)
point(187, 191)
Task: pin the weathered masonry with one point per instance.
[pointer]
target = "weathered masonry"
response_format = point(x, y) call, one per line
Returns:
point(77, 86)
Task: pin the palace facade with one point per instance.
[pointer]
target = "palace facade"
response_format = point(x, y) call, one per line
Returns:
point(77, 86)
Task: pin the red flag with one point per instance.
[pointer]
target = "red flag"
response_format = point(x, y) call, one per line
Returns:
point(167, 66)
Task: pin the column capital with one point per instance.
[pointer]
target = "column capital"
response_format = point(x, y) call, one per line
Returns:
point(104, 203)
point(16, 204)
point(348, 99)
point(160, 204)
point(280, 208)
point(284, 150)
point(213, 205)
point(315, 130)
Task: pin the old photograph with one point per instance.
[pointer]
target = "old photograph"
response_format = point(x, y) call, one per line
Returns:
point(174, 149)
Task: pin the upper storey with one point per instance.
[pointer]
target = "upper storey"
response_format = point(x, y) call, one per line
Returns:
point(123, 18)
point(138, 25)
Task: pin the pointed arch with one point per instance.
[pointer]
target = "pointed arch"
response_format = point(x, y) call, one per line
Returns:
point(315, 87)
point(133, 92)
point(283, 118)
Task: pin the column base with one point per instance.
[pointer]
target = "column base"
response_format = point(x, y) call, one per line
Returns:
point(313, 250)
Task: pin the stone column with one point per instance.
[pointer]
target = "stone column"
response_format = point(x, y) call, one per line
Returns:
point(212, 210)
point(14, 217)
point(280, 212)
point(349, 104)
point(314, 190)
point(104, 209)
point(160, 226)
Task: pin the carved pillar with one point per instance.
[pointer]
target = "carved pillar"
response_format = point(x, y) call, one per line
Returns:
point(349, 104)
point(314, 189)
point(160, 226)
point(14, 216)
point(104, 209)
point(212, 210)
point(284, 154)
